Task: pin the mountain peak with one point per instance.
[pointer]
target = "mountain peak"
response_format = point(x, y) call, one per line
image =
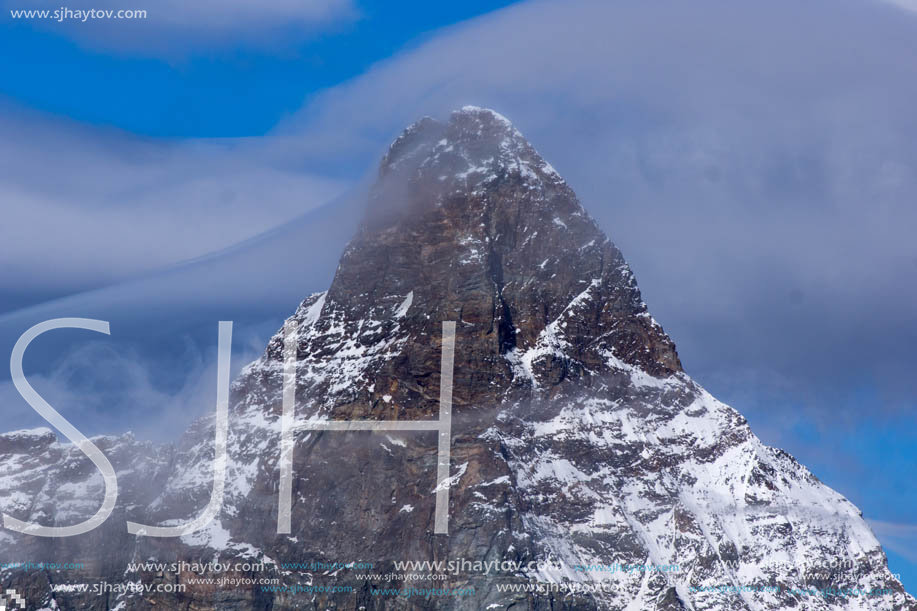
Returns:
point(467, 222)
point(575, 435)
point(474, 147)
point(485, 121)
point(480, 111)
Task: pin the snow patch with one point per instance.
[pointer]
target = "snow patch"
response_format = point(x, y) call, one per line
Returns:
point(449, 482)
point(405, 305)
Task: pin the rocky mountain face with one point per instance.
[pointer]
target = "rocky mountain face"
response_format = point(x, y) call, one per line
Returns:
point(578, 443)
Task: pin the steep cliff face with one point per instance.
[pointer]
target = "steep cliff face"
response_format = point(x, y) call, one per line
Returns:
point(577, 438)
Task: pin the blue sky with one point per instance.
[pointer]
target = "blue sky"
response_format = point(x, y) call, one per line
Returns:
point(229, 91)
point(757, 164)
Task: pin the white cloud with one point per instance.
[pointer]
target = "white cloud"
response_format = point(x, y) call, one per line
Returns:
point(899, 538)
point(84, 207)
point(156, 398)
point(908, 5)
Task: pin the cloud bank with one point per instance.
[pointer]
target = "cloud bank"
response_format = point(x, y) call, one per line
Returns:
point(86, 207)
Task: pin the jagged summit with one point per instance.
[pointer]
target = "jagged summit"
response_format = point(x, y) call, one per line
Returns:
point(577, 438)
point(475, 146)
point(469, 223)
